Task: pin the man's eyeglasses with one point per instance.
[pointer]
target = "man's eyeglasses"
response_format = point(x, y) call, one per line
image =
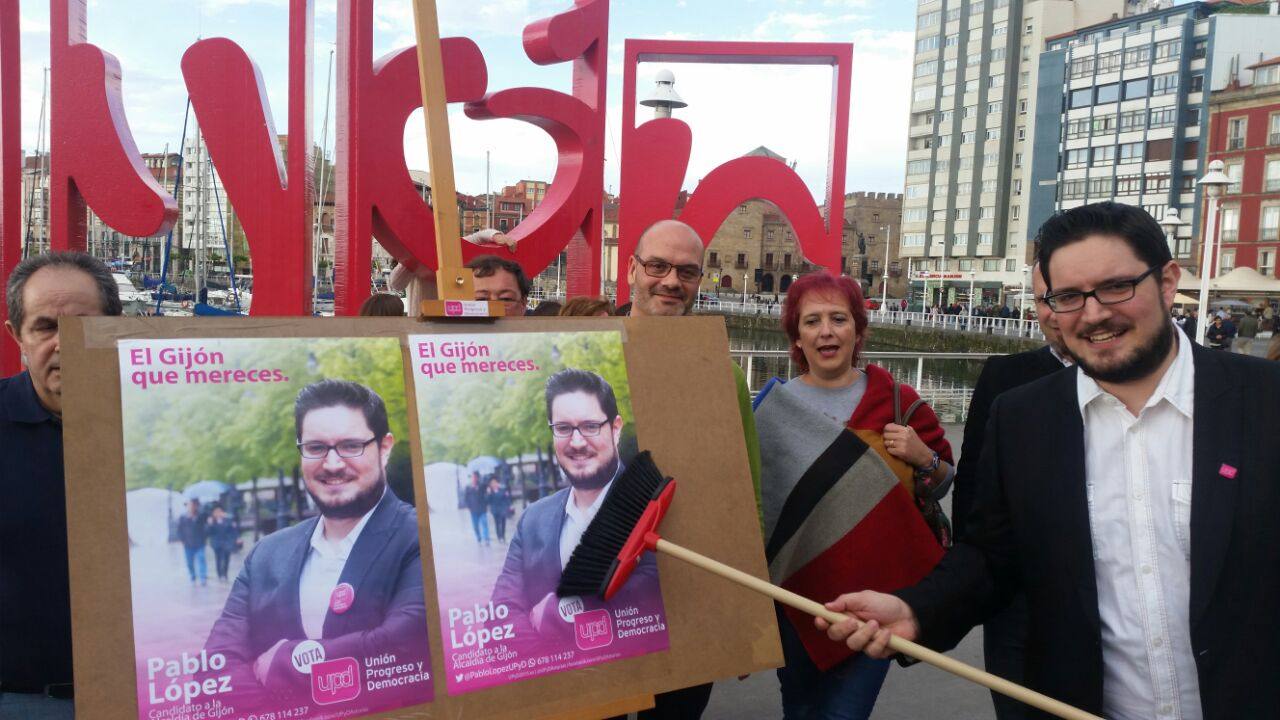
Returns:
point(344, 448)
point(660, 268)
point(591, 428)
point(1111, 293)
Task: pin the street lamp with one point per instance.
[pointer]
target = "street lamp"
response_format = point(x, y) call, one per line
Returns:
point(1171, 222)
point(744, 290)
point(1213, 183)
point(885, 232)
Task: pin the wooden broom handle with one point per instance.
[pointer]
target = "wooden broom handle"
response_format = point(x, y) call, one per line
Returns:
point(906, 647)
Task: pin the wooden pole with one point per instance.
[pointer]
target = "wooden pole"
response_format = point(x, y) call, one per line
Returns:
point(906, 647)
point(453, 281)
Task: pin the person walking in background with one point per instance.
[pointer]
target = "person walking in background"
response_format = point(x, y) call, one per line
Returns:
point(498, 499)
point(1248, 330)
point(223, 536)
point(1219, 334)
point(192, 532)
point(877, 458)
point(478, 506)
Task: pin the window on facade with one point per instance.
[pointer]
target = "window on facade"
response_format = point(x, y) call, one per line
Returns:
point(1197, 83)
point(962, 213)
point(948, 90)
point(914, 214)
point(1191, 149)
point(999, 28)
point(921, 94)
point(928, 67)
point(1081, 98)
point(959, 241)
point(713, 259)
point(1016, 209)
point(917, 190)
point(1267, 262)
point(989, 186)
point(973, 58)
point(953, 13)
point(997, 54)
point(1228, 261)
point(913, 240)
point(1131, 152)
point(1104, 124)
point(1072, 189)
point(1269, 226)
point(1017, 187)
point(1105, 155)
point(1100, 188)
point(746, 233)
point(986, 212)
point(1078, 157)
point(1160, 149)
point(1168, 50)
point(991, 265)
point(965, 265)
point(994, 108)
point(1078, 128)
point(944, 141)
point(1129, 185)
point(917, 167)
point(966, 163)
point(939, 215)
point(929, 19)
point(768, 234)
point(1082, 66)
point(1199, 48)
point(995, 81)
point(1109, 62)
point(742, 209)
point(1164, 84)
point(990, 159)
point(1233, 171)
point(1230, 224)
point(1132, 120)
point(1269, 75)
point(951, 40)
point(966, 137)
point(1135, 57)
point(993, 133)
point(1271, 175)
point(1108, 93)
point(742, 260)
point(1136, 88)
point(1163, 117)
point(926, 44)
point(1022, 107)
point(964, 188)
point(1236, 128)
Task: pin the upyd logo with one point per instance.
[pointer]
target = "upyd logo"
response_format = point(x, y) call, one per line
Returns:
point(592, 629)
point(335, 681)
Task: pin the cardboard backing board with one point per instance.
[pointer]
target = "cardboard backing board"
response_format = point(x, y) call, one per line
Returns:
point(685, 405)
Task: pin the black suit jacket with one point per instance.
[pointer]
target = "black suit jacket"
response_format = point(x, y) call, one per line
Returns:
point(999, 373)
point(1029, 531)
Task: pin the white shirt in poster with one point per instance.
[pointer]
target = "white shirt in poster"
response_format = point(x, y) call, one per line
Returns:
point(321, 572)
point(576, 521)
point(1138, 474)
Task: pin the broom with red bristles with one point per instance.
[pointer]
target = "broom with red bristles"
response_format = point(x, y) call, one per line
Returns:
point(627, 525)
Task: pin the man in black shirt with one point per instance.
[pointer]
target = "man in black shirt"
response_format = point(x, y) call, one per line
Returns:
point(35, 603)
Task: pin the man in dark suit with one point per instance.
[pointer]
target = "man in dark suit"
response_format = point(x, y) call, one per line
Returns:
point(1004, 636)
point(582, 412)
point(349, 579)
point(1131, 500)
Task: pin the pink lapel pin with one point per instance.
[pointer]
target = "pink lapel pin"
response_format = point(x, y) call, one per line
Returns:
point(1227, 471)
point(342, 598)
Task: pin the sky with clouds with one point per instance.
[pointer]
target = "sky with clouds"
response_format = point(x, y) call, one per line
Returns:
point(732, 109)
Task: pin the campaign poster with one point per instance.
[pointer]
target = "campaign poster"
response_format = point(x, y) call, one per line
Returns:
point(523, 435)
point(273, 541)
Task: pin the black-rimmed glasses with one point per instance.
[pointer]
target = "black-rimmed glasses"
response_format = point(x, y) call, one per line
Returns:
point(344, 448)
point(591, 428)
point(1112, 292)
point(660, 268)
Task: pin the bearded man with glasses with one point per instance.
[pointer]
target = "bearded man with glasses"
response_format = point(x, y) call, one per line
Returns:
point(585, 427)
point(1131, 499)
point(350, 578)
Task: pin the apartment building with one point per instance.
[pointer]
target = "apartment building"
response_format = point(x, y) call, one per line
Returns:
point(1123, 107)
point(973, 111)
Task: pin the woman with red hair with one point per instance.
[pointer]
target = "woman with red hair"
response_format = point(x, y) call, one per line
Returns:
point(852, 467)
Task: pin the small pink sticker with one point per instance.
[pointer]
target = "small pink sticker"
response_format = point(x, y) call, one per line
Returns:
point(1227, 471)
point(343, 597)
point(453, 308)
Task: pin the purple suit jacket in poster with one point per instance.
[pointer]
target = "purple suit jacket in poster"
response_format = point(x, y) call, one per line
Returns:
point(388, 614)
point(532, 571)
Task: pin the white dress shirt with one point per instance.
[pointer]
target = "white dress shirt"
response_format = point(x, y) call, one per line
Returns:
point(576, 521)
point(1138, 475)
point(321, 571)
